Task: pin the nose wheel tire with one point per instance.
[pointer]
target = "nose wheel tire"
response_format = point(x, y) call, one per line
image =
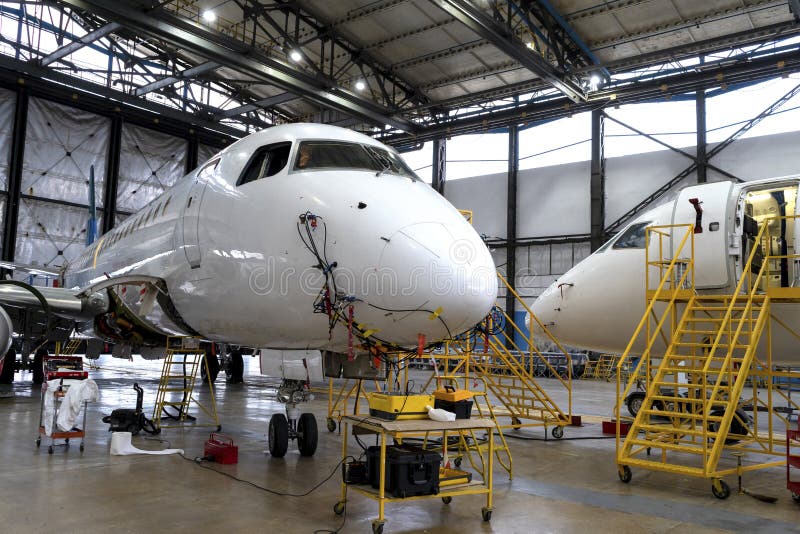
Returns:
point(278, 435)
point(720, 489)
point(307, 434)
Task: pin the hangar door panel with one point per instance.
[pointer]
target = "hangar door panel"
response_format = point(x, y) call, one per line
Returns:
point(710, 243)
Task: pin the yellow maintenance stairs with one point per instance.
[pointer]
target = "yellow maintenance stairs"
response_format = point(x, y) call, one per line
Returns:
point(176, 387)
point(695, 405)
point(509, 370)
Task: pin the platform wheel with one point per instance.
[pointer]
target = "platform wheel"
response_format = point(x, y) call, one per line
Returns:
point(557, 432)
point(377, 527)
point(82, 447)
point(486, 514)
point(625, 474)
point(50, 449)
point(447, 500)
point(38, 442)
point(458, 461)
point(338, 508)
point(516, 424)
point(720, 489)
point(331, 424)
point(796, 497)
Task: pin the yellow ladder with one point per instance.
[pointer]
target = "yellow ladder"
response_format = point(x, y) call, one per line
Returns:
point(509, 372)
point(69, 348)
point(483, 407)
point(176, 386)
point(693, 408)
point(691, 405)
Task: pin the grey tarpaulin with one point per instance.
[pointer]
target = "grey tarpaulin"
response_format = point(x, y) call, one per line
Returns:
point(205, 153)
point(150, 162)
point(49, 234)
point(61, 144)
point(7, 102)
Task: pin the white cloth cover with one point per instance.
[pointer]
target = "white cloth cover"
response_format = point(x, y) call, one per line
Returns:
point(49, 406)
point(121, 446)
point(78, 393)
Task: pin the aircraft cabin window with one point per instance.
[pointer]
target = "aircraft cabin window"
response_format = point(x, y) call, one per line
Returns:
point(267, 161)
point(342, 155)
point(633, 237)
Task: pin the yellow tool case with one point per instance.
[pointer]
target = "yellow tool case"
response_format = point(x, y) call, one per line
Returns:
point(450, 394)
point(398, 406)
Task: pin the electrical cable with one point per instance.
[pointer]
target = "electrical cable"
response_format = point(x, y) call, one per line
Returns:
point(200, 462)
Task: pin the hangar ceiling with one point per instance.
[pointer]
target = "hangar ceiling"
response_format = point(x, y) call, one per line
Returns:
point(404, 70)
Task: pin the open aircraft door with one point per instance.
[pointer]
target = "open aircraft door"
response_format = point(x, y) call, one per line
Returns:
point(705, 206)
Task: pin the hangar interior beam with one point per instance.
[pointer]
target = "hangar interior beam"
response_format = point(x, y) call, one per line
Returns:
point(597, 184)
point(439, 175)
point(15, 175)
point(511, 228)
point(702, 157)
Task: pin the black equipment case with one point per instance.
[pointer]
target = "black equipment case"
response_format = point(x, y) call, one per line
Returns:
point(410, 471)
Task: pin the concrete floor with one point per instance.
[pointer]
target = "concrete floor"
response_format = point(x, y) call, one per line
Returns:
point(569, 485)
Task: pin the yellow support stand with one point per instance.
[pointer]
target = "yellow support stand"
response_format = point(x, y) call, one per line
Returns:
point(176, 386)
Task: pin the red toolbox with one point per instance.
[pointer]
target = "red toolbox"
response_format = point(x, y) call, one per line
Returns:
point(221, 447)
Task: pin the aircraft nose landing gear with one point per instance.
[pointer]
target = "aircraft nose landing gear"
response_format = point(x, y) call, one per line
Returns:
point(293, 425)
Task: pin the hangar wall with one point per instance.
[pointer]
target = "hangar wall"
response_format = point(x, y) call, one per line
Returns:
point(554, 201)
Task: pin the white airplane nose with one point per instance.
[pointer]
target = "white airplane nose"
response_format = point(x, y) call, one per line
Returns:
point(443, 268)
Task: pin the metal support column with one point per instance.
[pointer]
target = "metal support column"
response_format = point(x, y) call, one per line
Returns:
point(702, 158)
point(511, 226)
point(597, 183)
point(192, 153)
point(15, 175)
point(439, 165)
point(112, 174)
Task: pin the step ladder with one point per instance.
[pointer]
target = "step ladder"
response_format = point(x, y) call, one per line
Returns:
point(509, 371)
point(184, 356)
point(693, 407)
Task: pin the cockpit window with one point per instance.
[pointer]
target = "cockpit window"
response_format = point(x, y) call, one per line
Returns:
point(266, 161)
point(633, 237)
point(342, 155)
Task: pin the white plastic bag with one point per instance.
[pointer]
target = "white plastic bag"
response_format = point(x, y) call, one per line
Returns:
point(437, 414)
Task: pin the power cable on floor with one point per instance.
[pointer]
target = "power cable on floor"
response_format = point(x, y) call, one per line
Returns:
point(200, 462)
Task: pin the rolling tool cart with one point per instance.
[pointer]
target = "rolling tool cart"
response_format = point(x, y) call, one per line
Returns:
point(401, 473)
point(65, 378)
